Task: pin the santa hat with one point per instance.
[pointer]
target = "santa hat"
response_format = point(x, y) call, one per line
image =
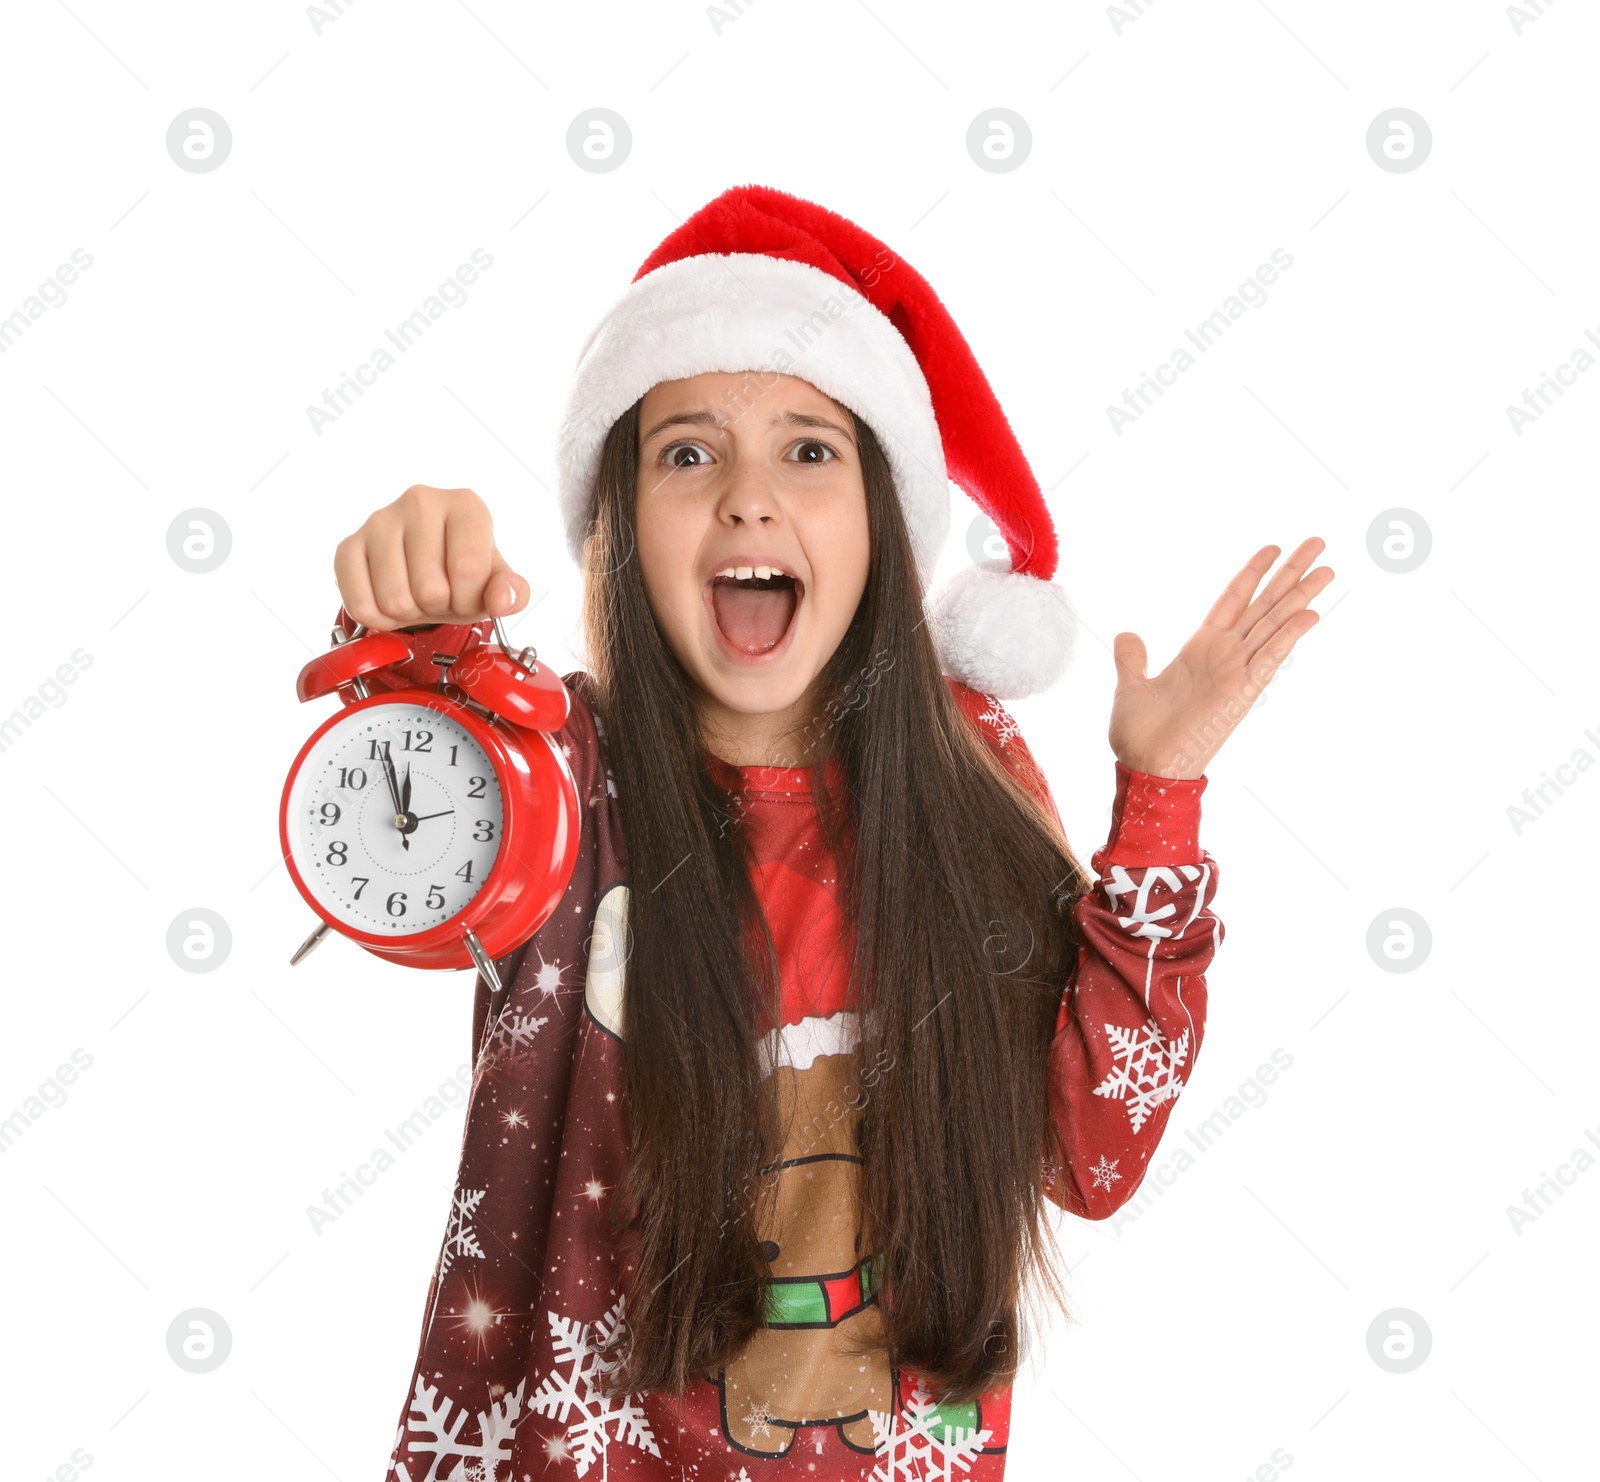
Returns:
point(761, 281)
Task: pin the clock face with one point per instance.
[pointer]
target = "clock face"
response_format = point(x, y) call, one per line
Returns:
point(395, 819)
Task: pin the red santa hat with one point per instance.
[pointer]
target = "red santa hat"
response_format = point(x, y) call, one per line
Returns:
point(761, 281)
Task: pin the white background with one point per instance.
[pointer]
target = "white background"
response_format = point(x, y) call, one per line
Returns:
point(1172, 152)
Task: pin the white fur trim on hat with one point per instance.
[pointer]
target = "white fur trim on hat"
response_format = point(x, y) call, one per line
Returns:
point(1001, 632)
point(749, 312)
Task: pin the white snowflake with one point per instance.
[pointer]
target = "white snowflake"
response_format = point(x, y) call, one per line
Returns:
point(908, 1448)
point(573, 1389)
point(1146, 1073)
point(1105, 1173)
point(518, 1030)
point(758, 1420)
point(433, 1431)
point(1000, 718)
point(460, 1238)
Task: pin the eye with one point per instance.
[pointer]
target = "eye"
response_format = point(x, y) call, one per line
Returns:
point(684, 455)
point(812, 451)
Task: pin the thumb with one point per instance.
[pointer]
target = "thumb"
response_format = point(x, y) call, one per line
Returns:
point(504, 592)
point(1129, 652)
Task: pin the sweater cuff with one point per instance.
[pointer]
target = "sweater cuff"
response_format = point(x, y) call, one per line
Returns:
point(1155, 820)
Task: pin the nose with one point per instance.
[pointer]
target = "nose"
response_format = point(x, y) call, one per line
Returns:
point(750, 496)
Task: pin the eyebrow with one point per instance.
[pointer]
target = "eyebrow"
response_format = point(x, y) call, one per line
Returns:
point(706, 418)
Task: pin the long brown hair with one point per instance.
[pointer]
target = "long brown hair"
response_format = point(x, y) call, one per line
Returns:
point(957, 886)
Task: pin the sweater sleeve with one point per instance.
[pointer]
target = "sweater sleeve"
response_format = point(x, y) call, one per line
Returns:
point(1133, 1011)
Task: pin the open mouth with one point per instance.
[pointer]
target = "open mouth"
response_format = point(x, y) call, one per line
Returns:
point(754, 614)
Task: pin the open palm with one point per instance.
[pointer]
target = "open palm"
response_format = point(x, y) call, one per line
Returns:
point(1172, 724)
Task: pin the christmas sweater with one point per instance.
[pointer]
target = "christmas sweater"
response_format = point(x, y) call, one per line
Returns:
point(529, 1279)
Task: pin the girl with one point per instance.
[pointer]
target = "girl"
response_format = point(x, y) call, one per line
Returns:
point(766, 1117)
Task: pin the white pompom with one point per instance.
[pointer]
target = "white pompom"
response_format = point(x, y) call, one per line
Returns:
point(1002, 632)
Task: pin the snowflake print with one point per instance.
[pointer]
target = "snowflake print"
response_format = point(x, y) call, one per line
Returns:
point(758, 1420)
point(569, 1389)
point(999, 718)
point(433, 1431)
point(1146, 1072)
point(460, 1238)
point(516, 1032)
point(915, 1445)
point(1142, 920)
point(1105, 1173)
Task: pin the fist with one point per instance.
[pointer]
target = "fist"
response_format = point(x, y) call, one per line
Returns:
point(429, 557)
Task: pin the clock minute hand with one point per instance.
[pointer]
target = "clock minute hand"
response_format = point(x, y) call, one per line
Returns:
point(393, 781)
point(394, 796)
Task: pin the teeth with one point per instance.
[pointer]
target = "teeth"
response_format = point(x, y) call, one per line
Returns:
point(743, 573)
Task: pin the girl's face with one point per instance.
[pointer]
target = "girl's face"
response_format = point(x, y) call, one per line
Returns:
point(737, 475)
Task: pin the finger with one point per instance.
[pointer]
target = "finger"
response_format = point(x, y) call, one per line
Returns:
point(504, 592)
point(355, 582)
point(1269, 623)
point(425, 572)
point(386, 560)
point(1283, 580)
point(469, 557)
point(1226, 609)
point(1266, 662)
point(1129, 652)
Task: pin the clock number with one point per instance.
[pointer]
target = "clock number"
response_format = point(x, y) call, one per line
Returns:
point(453, 751)
point(373, 754)
point(424, 741)
point(487, 825)
point(361, 884)
point(465, 872)
point(394, 909)
point(353, 778)
point(478, 785)
point(325, 810)
point(432, 904)
point(337, 852)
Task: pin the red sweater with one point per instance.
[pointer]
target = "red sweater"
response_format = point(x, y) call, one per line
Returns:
point(529, 1274)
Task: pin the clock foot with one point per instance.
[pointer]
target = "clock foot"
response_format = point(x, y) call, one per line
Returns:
point(482, 961)
point(310, 944)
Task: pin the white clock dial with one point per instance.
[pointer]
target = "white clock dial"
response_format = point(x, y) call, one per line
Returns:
point(394, 853)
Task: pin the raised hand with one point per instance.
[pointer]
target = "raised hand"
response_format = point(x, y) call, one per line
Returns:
point(429, 557)
point(1173, 723)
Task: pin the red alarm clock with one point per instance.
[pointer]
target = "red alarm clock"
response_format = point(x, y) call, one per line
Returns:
point(435, 827)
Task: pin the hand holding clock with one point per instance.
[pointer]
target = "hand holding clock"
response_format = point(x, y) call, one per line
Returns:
point(429, 557)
